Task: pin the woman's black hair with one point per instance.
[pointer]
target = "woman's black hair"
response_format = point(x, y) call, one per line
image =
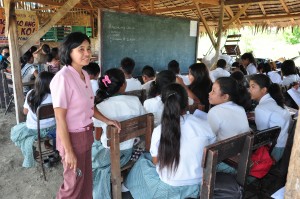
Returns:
point(237, 93)
point(288, 68)
point(163, 78)
point(250, 57)
point(116, 79)
point(202, 84)
point(273, 89)
point(266, 68)
point(41, 89)
point(175, 100)
point(73, 40)
point(53, 54)
point(25, 58)
point(46, 48)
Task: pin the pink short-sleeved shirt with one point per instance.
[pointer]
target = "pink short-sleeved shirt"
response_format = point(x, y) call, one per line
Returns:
point(70, 92)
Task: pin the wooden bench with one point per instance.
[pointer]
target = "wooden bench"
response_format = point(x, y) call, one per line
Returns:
point(215, 153)
point(131, 128)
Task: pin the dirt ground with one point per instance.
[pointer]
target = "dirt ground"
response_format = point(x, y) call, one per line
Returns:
point(17, 182)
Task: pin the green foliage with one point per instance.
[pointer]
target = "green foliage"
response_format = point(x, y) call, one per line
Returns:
point(293, 37)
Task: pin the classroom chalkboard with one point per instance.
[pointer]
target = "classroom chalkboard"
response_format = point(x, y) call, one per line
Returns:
point(149, 40)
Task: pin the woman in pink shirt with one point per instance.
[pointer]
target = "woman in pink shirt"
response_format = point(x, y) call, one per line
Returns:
point(73, 102)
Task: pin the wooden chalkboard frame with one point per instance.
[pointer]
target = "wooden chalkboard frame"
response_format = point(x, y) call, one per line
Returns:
point(113, 35)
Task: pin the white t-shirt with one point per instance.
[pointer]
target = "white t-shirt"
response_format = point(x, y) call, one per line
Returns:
point(120, 108)
point(218, 72)
point(275, 77)
point(251, 69)
point(227, 120)
point(195, 135)
point(27, 72)
point(185, 79)
point(133, 84)
point(268, 114)
point(287, 80)
point(155, 106)
point(31, 119)
point(95, 86)
point(146, 86)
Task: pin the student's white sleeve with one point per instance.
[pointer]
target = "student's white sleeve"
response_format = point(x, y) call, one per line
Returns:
point(26, 105)
point(155, 139)
point(213, 121)
point(261, 119)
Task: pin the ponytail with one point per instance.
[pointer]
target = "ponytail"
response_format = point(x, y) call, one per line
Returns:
point(273, 89)
point(175, 102)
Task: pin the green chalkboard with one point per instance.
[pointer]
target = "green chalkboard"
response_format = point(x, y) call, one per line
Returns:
point(149, 40)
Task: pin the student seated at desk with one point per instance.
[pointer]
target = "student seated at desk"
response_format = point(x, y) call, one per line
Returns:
point(112, 104)
point(289, 73)
point(154, 104)
point(228, 117)
point(24, 134)
point(93, 70)
point(220, 71)
point(127, 66)
point(270, 111)
point(28, 71)
point(173, 170)
point(148, 75)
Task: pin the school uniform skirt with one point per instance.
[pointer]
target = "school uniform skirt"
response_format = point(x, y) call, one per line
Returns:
point(24, 138)
point(101, 169)
point(143, 182)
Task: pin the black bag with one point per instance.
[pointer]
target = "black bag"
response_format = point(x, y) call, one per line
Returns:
point(226, 187)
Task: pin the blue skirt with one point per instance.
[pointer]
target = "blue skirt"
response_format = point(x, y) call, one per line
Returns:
point(101, 169)
point(143, 182)
point(24, 138)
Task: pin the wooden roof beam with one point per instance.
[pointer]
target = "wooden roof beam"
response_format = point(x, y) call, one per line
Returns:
point(230, 12)
point(235, 2)
point(152, 6)
point(271, 17)
point(210, 2)
point(242, 10)
point(52, 3)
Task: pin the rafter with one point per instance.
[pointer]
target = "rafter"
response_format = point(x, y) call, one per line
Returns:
point(52, 3)
point(262, 8)
point(235, 2)
point(230, 12)
point(210, 2)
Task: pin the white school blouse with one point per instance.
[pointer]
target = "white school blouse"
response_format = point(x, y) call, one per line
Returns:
point(155, 105)
point(120, 108)
point(195, 135)
point(287, 80)
point(133, 84)
point(227, 120)
point(268, 114)
point(251, 69)
point(218, 72)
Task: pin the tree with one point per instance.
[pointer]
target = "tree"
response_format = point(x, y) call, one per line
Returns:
point(293, 37)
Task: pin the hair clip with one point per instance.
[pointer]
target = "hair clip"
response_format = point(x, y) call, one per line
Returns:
point(106, 80)
point(171, 95)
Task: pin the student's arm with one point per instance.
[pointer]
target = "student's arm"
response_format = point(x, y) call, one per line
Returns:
point(104, 119)
point(35, 73)
point(63, 133)
point(25, 111)
point(189, 92)
point(35, 53)
point(154, 160)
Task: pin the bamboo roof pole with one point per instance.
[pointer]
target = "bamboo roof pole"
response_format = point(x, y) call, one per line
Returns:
point(220, 27)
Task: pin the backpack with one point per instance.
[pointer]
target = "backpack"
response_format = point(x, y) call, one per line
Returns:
point(262, 162)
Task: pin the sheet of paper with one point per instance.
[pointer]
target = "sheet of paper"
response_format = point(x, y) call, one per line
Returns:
point(279, 194)
point(193, 28)
point(295, 94)
point(200, 114)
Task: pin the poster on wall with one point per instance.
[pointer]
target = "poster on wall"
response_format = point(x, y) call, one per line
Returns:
point(27, 22)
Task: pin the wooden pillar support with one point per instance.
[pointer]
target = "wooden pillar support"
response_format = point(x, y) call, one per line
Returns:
point(219, 36)
point(61, 12)
point(12, 33)
point(100, 39)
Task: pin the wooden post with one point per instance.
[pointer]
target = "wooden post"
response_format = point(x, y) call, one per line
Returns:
point(62, 11)
point(152, 6)
point(100, 39)
point(12, 32)
point(292, 187)
point(220, 28)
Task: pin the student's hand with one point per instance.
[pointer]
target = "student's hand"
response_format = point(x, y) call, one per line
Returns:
point(179, 80)
point(71, 160)
point(114, 123)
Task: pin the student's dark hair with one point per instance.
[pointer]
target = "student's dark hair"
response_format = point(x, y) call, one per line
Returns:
point(108, 89)
point(127, 65)
point(73, 40)
point(235, 64)
point(288, 68)
point(25, 58)
point(32, 49)
point(266, 68)
point(174, 66)
point(53, 54)
point(249, 56)
point(202, 84)
point(240, 78)
point(3, 48)
point(175, 101)
point(221, 63)
point(148, 71)
point(237, 93)
point(92, 69)
point(273, 89)
point(163, 78)
point(40, 91)
point(46, 48)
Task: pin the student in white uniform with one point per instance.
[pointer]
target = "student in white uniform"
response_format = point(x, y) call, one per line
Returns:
point(154, 104)
point(174, 66)
point(220, 71)
point(93, 70)
point(111, 103)
point(127, 66)
point(273, 75)
point(270, 111)
point(289, 73)
point(174, 168)
point(148, 75)
point(248, 61)
point(228, 117)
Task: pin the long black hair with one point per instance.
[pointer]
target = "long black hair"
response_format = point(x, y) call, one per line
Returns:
point(163, 78)
point(237, 92)
point(273, 89)
point(175, 101)
point(40, 91)
point(109, 84)
point(202, 84)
